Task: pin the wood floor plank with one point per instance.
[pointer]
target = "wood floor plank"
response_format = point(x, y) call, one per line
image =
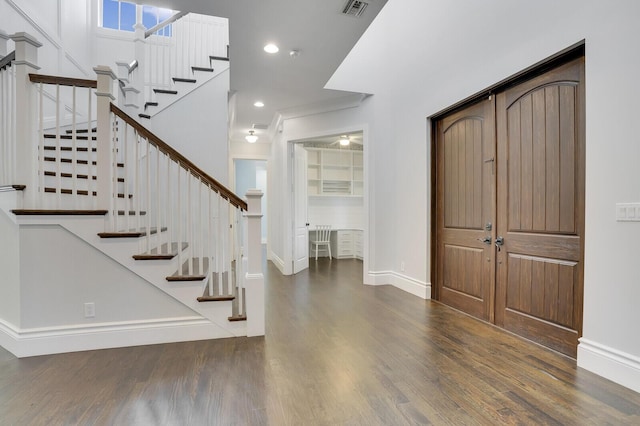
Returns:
point(336, 353)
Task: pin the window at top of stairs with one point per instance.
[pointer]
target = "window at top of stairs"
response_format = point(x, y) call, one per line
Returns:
point(123, 15)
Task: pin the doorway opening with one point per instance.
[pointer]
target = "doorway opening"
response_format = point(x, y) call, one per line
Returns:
point(328, 177)
point(252, 174)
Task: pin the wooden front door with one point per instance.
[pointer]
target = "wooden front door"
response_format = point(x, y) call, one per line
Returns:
point(466, 209)
point(529, 280)
point(541, 207)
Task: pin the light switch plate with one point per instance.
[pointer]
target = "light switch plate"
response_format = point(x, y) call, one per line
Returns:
point(628, 212)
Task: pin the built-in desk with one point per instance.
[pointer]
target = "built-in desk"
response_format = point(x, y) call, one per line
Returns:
point(345, 244)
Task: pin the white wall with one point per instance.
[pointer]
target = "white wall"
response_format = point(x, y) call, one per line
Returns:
point(63, 27)
point(54, 293)
point(443, 64)
point(9, 261)
point(339, 212)
point(196, 126)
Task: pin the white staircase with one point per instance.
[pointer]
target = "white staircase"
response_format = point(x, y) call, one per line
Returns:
point(80, 168)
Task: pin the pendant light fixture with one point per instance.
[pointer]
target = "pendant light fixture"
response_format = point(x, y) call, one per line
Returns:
point(251, 138)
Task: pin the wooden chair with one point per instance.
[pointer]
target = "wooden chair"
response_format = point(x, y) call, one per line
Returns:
point(322, 239)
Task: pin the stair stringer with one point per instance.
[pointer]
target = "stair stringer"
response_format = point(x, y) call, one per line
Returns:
point(154, 272)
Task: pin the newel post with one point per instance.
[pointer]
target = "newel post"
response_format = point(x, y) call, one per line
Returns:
point(104, 155)
point(139, 50)
point(254, 279)
point(26, 62)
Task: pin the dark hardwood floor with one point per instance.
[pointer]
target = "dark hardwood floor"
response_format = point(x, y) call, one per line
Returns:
point(336, 352)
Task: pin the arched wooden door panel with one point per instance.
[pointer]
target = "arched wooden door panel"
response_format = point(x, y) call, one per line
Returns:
point(466, 208)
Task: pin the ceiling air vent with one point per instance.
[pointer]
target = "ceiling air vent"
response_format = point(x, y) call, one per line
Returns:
point(354, 8)
point(260, 126)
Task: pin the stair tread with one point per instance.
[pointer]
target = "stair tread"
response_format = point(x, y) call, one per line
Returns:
point(131, 213)
point(68, 191)
point(161, 253)
point(12, 187)
point(70, 131)
point(184, 80)
point(130, 234)
point(205, 69)
point(167, 91)
point(186, 277)
point(144, 115)
point(237, 318)
point(78, 176)
point(214, 298)
point(36, 212)
point(69, 137)
point(183, 274)
point(148, 104)
point(70, 160)
point(70, 148)
point(218, 58)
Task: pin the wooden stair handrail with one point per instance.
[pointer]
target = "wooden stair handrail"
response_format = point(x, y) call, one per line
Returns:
point(164, 23)
point(6, 61)
point(180, 159)
point(63, 81)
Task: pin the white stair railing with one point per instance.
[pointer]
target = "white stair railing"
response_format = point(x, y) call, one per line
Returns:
point(178, 211)
point(195, 39)
point(143, 184)
point(66, 142)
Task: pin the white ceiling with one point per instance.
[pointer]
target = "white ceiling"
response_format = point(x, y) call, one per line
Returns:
point(318, 29)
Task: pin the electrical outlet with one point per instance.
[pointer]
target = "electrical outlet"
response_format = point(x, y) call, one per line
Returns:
point(89, 310)
point(402, 266)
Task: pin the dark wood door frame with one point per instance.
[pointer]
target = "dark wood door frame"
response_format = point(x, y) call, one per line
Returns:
point(566, 55)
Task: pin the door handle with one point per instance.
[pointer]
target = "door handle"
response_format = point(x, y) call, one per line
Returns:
point(499, 242)
point(486, 240)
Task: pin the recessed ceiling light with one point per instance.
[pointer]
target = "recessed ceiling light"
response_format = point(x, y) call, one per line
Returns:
point(258, 104)
point(271, 48)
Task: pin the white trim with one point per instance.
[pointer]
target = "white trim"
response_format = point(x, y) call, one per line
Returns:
point(81, 337)
point(403, 282)
point(276, 260)
point(54, 40)
point(611, 363)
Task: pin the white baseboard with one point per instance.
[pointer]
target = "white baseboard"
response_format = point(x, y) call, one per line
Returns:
point(615, 365)
point(403, 282)
point(52, 340)
point(278, 262)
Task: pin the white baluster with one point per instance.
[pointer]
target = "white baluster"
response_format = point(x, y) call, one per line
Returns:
point(148, 193)
point(90, 167)
point(210, 240)
point(104, 156)
point(158, 194)
point(125, 175)
point(190, 224)
point(41, 137)
point(179, 220)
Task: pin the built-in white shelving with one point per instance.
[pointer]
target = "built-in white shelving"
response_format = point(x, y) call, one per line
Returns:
point(334, 172)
